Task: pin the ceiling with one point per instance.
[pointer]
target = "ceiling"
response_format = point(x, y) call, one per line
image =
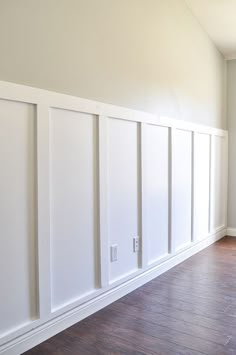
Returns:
point(218, 18)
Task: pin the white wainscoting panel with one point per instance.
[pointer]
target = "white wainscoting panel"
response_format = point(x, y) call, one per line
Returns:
point(219, 182)
point(181, 188)
point(157, 192)
point(123, 194)
point(73, 185)
point(201, 185)
point(18, 275)
point(78, 177)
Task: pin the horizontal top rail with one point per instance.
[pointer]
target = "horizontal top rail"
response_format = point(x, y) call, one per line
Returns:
point(27, 94)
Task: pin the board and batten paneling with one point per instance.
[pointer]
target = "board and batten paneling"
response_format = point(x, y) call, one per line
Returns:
point(18, 270)
point(123, 194)
point(181, 189)
point(78, 177)
point(74, 212)
point(157, 191)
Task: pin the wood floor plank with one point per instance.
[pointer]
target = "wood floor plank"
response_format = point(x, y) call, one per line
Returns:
point(126, 325)
point(172, 323)
point(189, 310)
point(186, 294)
point(172, 303)
point(194, 319)
point(197, 286)
point(144, 340)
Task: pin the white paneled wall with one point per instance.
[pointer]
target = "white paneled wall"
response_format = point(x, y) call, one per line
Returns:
point(79, 177)
point(157, 191)
point(181, 189)
point(74, 205)
point(201, 185)
point(18, 298)
point(123, 194)
point(219, 168)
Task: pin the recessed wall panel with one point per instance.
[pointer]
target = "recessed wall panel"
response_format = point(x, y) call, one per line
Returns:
point(219, 191)
point(157, 178)
point(73, 185)
point(201, 185)
point(18, 277)
point(123, 195)
point(181, 188)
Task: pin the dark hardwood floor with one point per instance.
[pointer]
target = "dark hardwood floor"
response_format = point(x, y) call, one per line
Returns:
point(189, 310)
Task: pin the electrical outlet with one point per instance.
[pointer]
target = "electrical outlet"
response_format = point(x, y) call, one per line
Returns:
point(114, 252)
point(136, 244)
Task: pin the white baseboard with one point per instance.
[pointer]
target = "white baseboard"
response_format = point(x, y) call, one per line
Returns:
point(58, 324)
point(231, 232)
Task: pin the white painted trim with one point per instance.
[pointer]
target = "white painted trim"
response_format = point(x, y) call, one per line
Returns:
point(226, 182)
point(22, 93)
point(231, 232)
point(103, 220)
point(144, 244)
point(193, 234)
point(210, 189)
point(43, 206)
point(212, 169)
point(170, 183)
point(56, 325)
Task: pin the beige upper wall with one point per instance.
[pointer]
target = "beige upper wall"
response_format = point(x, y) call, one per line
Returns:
point(150, 55)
